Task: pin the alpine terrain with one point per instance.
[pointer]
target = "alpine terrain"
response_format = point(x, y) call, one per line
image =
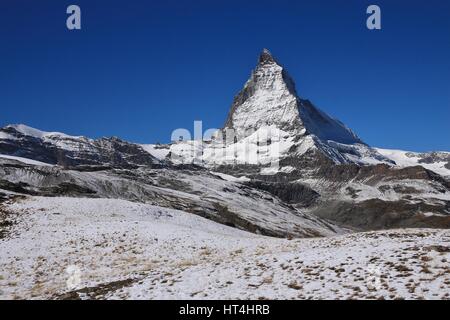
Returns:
point(282, 202)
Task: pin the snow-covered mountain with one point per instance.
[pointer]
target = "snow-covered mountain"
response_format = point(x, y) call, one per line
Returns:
point(203, 219)
point(358, 185)
point(322, 168)
point(269, 98)
point(268, 108)
point(71, 151)
point(438, 162)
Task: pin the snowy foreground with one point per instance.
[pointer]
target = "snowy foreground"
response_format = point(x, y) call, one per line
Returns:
point(69, 248)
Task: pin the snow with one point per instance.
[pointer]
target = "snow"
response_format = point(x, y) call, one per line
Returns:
point(25, 160)
point(325, 127)
point(58, 139)
point(230, 178)
point(29, 131)
point(96, 235)
point(271, 102)
point(264, 146)
point(160, 152)
point(432, 214)
point(409, 159)
point(386, 191)
point(197, 191)
point(274, 170)
point(6, 136)
point(159, 253)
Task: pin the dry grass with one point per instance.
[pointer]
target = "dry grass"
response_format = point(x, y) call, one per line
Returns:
point(206, 252)
point(294, 285)
point(267, 280)
point(186, 263)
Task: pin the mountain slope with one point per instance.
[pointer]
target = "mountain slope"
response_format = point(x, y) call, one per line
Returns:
point(69, 248)
point(192, 190)
point(438, 162)
point(71, 151)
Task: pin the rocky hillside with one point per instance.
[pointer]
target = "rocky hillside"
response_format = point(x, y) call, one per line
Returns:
point(207, 194)
point(69, 151)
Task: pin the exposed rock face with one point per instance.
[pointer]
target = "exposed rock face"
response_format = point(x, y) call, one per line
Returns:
point(69, 151)
point(438, 162)
point(377, 214)
point(268, 98)
point(194, 191)
point(293, 193)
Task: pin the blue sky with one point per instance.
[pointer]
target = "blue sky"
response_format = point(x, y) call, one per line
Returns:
point(139, 69)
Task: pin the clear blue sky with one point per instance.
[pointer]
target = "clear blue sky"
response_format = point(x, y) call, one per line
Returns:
point(139, 69)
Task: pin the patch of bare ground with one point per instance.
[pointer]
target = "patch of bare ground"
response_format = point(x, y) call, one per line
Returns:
point(98, 292)
point(7, 217)
point(294, 285)
point(438, 248)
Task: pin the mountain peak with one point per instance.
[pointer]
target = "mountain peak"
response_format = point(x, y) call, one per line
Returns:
point(266, 57)
point(36, 133)
point(26, 130)
point(269, 98)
